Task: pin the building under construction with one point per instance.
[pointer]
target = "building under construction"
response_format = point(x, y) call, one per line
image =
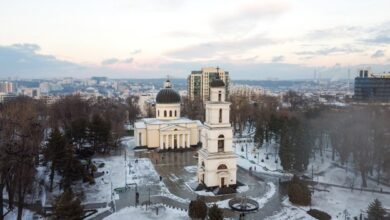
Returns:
point(372, 87)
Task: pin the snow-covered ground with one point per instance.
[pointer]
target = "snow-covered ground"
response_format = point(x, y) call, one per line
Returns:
point(27, 215)
point(291, 213)
point(333, 200)
point(256, 159)
point(271, 190)
point(327, 171)
point(164, 213)
point(336, 202)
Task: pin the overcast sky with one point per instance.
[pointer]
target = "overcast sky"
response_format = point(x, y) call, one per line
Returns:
point(152, 38)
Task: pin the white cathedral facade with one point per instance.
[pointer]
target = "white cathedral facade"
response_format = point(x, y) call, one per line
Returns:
point(217, 162)
point(168, 130)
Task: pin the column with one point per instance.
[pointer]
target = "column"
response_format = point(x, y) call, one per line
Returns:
point(182, 140)
point(166, 142)
point(188, 140)
point(172, 141)
point(161, 141)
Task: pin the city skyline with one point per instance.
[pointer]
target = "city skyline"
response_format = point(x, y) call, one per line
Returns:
point(139, 39)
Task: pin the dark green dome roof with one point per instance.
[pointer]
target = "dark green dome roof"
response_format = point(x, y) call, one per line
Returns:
point(167, 96)
point(217, 83)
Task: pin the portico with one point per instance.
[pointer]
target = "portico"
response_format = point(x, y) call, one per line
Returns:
point(174, 139)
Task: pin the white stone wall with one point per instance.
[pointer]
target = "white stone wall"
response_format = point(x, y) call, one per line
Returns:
point(143, 140)
point(214, 96)
point(161, 108)
point(212, 140)
point(213, 111)
point(212, 176)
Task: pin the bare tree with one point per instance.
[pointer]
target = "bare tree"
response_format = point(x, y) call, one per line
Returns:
point(21, 137)
point(193, 109)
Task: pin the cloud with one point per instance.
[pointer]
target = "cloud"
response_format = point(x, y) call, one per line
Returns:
point(112, 61)
point(128, 60)
point(214, 49)
point(24, 60)
point(378, 54)
point(380, 39)
point(334, 32)
point(330, 51)
point(380, 34)
point(26, 47)
point(278, 59)
point(134, 52)
point(248, 16)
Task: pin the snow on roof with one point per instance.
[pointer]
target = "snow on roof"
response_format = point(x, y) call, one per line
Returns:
point(139, 124)
point(154, 121)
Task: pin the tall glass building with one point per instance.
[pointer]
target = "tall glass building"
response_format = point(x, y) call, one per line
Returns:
point(372, 87)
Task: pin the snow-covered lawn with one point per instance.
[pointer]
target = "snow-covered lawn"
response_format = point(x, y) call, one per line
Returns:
point(164, 213)
point(27, 215)
point(337, 200)
point(256, 159)
point(325, 170)
point(291, 213)
point(337, 203)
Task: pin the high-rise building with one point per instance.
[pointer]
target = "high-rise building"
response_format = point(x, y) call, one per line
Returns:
point(6, 87)
point(199, 82)
point(372, 87)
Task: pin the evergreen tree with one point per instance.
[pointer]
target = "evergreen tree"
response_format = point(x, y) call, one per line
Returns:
point(215, 213)
point(77, 132)
point(54, 152)
point(298, 192)
point(295, 144)
point(67, 206)
point(197, 209)
point(72, 169)
point(100, 131)
point(376, 211)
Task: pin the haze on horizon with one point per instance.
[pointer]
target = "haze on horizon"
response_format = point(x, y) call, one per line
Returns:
point(285, 39)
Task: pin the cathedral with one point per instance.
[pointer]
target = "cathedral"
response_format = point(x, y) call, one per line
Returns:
point(217, 162)
point(168, 130)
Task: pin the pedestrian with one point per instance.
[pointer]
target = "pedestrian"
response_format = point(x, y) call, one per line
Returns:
point(136, 198)
point(255, 168)
point(160, 178)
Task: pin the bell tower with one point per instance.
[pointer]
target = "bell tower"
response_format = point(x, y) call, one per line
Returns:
point(217, 162)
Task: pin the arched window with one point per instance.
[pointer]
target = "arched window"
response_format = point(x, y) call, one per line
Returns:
point(222, 167)
point(165, 113)
point(220, 115)
point(175, 113)
point(221, 143)
point(170, 113)
point(219, 96)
